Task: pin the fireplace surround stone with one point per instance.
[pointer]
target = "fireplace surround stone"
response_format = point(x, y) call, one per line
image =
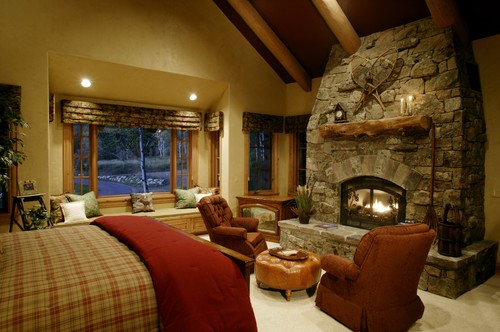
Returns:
point(433, 70)
point(443, 275)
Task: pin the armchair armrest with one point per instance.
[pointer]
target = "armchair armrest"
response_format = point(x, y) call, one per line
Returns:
point(249, 223)
point(239, 232)
point(340, 267)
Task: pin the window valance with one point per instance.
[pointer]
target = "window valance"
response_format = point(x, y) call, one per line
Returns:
point(296, 123)
point(262, 122)
point(128, 116)
point(214, 121)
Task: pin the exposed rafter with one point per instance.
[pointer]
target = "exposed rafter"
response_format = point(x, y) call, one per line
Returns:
point(446, 13)
point(258, 25)
point(339, 24)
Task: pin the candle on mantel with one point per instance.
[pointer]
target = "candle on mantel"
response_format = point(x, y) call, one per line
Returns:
point(403, 107)
point(409, 100)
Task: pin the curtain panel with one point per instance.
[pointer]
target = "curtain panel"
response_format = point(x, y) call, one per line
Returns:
point(128, 116)
point(296, 123)
point(213, 121)
point(262, 122)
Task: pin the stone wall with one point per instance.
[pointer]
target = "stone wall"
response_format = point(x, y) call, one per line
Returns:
point(436, 71)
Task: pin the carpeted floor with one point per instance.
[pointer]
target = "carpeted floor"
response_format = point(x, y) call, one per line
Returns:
point(476, 310)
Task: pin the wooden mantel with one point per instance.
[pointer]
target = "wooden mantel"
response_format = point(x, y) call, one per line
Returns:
point(404, 125)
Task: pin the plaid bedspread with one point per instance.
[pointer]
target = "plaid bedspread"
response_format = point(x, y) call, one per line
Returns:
point(73, 279)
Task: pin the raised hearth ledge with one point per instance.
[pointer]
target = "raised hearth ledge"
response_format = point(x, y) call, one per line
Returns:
point(405, 125)
point(443, 275)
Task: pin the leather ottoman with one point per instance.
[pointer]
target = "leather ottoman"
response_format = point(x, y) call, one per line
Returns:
point(288, 274)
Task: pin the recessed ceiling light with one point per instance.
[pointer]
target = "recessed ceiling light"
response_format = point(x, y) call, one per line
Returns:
point(193, 96)
point(86, 83)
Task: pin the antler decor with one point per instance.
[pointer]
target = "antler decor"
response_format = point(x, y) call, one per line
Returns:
point(370, 74)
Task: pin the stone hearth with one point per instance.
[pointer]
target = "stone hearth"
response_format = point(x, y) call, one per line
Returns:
point(445, 276)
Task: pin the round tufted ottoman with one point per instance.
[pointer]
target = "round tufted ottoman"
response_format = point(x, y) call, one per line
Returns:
point(288, 275)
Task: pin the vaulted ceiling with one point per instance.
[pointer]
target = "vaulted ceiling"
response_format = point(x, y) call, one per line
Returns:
point(295, 36)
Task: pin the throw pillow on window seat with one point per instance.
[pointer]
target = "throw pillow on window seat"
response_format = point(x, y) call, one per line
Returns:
point(91, 205)
point(55, 207)
point(208, 190)
point(200, 196)
point(184, 198)
point(142, 202)
point(74, 211)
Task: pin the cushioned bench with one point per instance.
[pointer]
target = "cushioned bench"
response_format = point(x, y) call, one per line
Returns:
point(188, 219)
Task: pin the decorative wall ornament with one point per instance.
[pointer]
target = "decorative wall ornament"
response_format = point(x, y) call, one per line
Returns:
point(369, 74)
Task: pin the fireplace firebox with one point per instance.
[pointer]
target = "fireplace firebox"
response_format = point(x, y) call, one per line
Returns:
point(368, 202)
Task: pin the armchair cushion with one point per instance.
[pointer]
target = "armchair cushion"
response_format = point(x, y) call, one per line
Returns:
point(340, 267)
point(239, 232)
point(249, 223)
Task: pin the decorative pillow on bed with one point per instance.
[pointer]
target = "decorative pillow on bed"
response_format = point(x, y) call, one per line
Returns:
point(184, 198)
point(73, 211)
point(55, 207)
point(142, 202)
point(91, 205)
point(209, 190)
point(200, 196)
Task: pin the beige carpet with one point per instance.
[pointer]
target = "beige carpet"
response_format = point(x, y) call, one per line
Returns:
point(476, 310)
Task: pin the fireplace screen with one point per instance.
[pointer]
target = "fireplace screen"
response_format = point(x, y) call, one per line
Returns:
point(368, 202)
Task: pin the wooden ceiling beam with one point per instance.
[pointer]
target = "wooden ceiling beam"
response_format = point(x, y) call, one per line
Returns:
point(259, 26)
point(446, 13)
point(340, 25)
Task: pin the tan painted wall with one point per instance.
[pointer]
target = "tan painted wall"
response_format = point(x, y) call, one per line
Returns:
point(487, 54)
point(190, 37)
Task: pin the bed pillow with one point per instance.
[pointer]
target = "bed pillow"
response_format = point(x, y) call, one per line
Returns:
point(91, 205)
point(55, 207)
point(73, 211)
point(184, 198)
point(200, 196)
point(142, 202)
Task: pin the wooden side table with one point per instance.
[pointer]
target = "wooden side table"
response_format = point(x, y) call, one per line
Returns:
point(18, 204)
point(269, 210)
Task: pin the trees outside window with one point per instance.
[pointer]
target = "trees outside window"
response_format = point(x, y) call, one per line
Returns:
point(123, 160)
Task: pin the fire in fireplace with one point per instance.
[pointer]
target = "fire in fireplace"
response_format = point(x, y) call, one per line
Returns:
point(368, 202)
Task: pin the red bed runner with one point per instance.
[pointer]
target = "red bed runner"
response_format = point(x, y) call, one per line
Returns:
point(197, 288)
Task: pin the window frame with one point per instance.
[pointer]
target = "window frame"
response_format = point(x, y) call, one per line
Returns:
point(294, 169)
point(274, 166)
point(124, 199)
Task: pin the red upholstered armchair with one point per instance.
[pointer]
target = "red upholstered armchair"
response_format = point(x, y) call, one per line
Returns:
point(377, 291)
point(239, 234)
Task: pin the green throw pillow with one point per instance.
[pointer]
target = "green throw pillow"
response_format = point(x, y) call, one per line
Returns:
point(91, 205)
point(184, 198)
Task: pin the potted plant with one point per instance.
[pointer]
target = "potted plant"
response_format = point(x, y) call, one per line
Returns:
point(38, 216)
point(10, 120)
point(304, 202)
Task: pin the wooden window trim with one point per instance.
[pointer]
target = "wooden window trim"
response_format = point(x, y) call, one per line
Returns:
point(123, 200)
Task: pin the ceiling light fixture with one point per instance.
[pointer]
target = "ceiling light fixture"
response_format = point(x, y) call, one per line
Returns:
point(193, 96)
point(86, 83)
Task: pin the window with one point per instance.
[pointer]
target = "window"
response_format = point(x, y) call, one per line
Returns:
point(301, 155)
point(261, 161)
point(120, 160)
point(215, 159)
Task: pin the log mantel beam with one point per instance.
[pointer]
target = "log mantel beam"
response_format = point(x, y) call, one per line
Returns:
point(405, 125)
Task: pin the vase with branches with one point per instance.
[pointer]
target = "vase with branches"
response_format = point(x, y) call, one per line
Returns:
point(304, 202)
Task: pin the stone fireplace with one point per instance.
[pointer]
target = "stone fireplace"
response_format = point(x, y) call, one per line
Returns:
point(436, 71)
point(368, 202)
point(416, 142)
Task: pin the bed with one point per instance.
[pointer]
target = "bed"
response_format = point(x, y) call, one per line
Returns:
point(122, 273)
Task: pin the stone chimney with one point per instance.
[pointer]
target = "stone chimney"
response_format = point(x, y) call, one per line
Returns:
point(441, 77)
